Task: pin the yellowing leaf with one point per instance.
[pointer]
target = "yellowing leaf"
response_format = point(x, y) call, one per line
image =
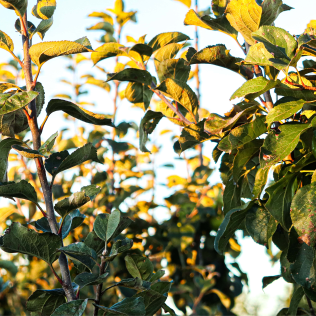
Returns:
point(42, 28)
point(18, 5)
point(107, 50)
point(176, 180)
point(42, 52)
point(45, 8)
point(6, 42)
point(311, 28)
point(6, 212)
point(219, 24)
point(223, 297)
point(244, 16)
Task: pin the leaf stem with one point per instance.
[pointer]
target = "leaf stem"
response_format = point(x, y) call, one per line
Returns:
point(43, 124)
point(43, 212)
point(56, 275)
point(311, 308)
point(99, 293)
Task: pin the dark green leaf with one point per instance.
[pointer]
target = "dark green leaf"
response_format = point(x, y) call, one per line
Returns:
point(94, 242)
point(177, 69)
point(113, 222)
point(139, 266)
point(5, 147)
point(269, 279)
point(153, 301)
point(27, 152)
point(18, 238)
point(295, 300)
point(119, 247)
point(257, 221)
point(44, 302)
point(147, 126)
point(230, 224)
point(302, 213)
point(9, 266)
point(79, 251)
point(20, 190)
point(79, 156)
point(271, 10)
point(77, 112)
point(132, 75)
point(131, 306)
point(280, 196)
point(156, 276)
point(87, 278)
point(74, 308)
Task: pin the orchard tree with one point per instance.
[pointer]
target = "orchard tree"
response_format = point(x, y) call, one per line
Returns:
point(86, 242)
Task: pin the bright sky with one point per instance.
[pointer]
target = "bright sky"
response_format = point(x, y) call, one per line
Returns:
point(218, 84)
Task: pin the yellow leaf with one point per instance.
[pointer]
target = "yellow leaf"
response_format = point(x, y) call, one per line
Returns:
point(45, 8)
point(223, 297)
point(233, 245)
point(42, 52)
point(6, 212)
point(6, 42)
point(244, 16)
point(185, 2)
point(311, 28)
point(176, 180)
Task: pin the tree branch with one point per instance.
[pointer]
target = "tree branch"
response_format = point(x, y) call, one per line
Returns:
point(32, 121)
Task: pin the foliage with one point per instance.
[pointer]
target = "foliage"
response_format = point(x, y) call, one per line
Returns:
point(100, 234)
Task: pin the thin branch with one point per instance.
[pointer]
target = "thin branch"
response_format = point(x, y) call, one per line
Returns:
point(311, 309)
point(56, 275)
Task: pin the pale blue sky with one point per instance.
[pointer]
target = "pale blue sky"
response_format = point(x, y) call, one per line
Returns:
point(157, 16)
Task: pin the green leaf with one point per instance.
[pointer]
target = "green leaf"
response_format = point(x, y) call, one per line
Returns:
point(147, 126)
point(101, 226)
point(302, 213)
point(295, 300)
point(221, 24)
point(244, 16)
point(130, 306)
point(44, 302)
point(253, 88)
point(271, 10)
point(303, 269)
point(139, 266)
point(62, 161)
point(177, 69)
point(278, 146)
point(42, 28)
point(156, 276)
point(11, 103)
point(279, 43)
point(20, 190)
point(46, 148)
point(26, 152)
point(106, 51)
point(245, 133)
point(5, 147)
point(153, 301)
point(77, 112)
point(119, 247)
point(283, 109)
point(295, 93)
point(257, 220)
point(19, 6)
point(164, 39)
point(6, 42)
point(113, 222)
point(243, 156)
point(218, 55)
point(9, 266)
point(134, 92)
point(230, 224)
point(87, 278)
point(219, 6)
point(182, 93)
point(18, 238)
point(79, 251)
point(132, 75)
point(259, 55)
point(76, 200)
point(260, 182)
point(269, 279)
point(191, 136)
point(42, 52)
point(280, 196)
point(74, 308)
point(94, 242)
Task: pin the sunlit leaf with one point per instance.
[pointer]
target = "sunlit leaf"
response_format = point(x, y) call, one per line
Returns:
point(74, 308)
point(11, 103)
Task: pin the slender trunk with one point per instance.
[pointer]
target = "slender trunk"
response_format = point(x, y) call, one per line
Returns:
point(36, 135)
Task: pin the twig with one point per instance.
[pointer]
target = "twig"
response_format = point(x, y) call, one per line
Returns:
point(56, 275)
point(311, 309)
